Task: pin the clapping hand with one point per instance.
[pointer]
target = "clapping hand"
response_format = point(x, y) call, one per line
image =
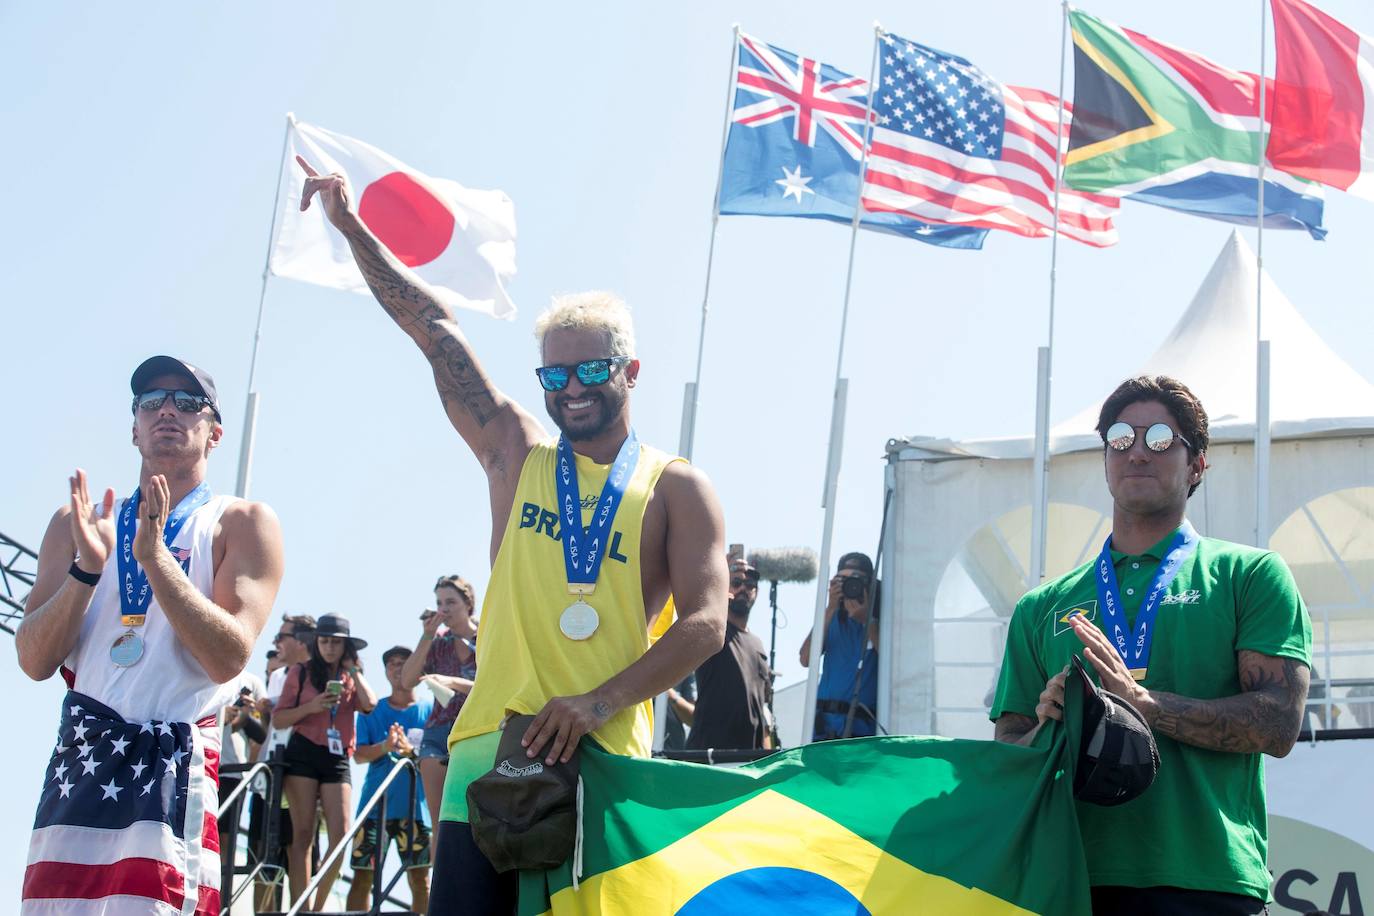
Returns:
point(155, 504)
point(93, 530)
point(397, 742)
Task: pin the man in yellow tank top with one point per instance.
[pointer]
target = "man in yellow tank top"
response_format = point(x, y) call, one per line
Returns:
point(564, 633)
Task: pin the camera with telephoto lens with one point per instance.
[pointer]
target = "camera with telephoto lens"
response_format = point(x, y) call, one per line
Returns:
point(854, 587)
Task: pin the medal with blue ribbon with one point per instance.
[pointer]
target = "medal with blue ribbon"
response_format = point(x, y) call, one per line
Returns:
point(135, 594)
point(584, 549)
point(1136, 653)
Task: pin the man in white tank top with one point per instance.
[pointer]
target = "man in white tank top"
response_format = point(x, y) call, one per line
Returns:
point(150, 607)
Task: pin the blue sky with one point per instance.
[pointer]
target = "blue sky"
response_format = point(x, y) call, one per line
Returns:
point(142, 145)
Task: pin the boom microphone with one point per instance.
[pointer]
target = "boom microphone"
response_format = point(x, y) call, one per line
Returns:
point(785, 564)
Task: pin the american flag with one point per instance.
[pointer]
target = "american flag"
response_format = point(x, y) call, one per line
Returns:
point(952, 145)
point(126, 819)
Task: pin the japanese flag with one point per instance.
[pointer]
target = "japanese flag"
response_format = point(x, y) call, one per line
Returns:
point(459, 241)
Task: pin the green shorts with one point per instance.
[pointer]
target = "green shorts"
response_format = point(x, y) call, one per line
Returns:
point(412, 855)
point(468, 760)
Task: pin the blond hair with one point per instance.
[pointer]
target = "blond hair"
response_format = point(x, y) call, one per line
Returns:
point(594, 310)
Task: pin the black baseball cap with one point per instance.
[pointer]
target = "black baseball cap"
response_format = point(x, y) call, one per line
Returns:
point(1117, 756)
point(154, 366)
point(856, 561)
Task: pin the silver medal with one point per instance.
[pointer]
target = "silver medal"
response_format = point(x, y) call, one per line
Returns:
point(127, 649)
point(579, 621)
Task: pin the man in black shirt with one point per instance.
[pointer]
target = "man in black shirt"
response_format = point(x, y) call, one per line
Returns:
point(732, 686)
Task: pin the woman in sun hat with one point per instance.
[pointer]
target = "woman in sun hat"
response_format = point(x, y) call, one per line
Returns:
point(318, 702)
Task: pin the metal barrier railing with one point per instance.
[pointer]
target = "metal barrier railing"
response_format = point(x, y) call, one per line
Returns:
point(379, 892)
point(271, 770)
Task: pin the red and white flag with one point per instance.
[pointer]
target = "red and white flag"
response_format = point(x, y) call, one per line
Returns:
point(459, 241)
point(1323, 106)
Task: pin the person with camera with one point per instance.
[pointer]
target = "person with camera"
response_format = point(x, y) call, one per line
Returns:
point(446, 659)
point(847, 697)
point(317, 703)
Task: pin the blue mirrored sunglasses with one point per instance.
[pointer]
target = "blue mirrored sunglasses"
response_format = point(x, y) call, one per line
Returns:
point(589, 372)
point(185, 401)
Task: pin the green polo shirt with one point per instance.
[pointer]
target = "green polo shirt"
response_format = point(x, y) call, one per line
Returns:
point(1202, 825)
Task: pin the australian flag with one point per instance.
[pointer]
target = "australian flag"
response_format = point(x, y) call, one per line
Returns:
point(126, 811)
point(795, 146)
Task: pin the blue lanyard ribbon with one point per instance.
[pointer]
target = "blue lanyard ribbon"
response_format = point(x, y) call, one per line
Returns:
point(1136, 654)
point(134, 593)
point(583, 551)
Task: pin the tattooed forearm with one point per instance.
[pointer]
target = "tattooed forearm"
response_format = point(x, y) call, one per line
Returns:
point(1264, 718)
point(1014, 728)
point(461, 382)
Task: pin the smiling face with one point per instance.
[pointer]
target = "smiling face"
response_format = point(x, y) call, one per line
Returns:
point(167, 435)
point(584, 412)
point(1149, 483)
point(394, 666)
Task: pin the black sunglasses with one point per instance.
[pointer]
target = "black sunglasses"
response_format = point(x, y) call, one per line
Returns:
point(1158, 436)
point(589, 372)
point(185, 401)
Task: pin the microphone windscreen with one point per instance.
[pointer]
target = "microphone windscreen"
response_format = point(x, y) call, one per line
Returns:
point(785, 564)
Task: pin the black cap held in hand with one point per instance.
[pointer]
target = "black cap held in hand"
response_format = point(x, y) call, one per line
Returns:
point(1117, 755)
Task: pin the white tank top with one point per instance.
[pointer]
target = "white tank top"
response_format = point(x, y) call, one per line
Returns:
point(167, 683)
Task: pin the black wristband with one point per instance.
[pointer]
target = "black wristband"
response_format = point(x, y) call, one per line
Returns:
point(80, 575)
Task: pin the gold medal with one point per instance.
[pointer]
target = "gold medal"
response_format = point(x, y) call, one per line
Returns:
point(579, 620)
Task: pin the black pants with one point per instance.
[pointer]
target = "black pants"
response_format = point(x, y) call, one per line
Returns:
point(1110, 900)
point(464, 881)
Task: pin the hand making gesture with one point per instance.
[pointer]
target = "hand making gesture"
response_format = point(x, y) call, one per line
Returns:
point(153, 508)
point(333, 191)
point(93, 530)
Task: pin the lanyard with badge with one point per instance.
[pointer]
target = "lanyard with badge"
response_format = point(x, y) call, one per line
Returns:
point(333, 735)
point(1137, 655)
point(583, 551)
point(135, 594)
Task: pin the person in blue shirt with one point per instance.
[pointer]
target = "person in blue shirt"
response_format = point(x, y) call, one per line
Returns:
point(382, 740)
point(847, 698)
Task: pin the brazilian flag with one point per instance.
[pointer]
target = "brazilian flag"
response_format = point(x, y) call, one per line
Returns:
point(868, 825)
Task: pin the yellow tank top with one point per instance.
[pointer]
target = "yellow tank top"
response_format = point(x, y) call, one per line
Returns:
point(523, 658)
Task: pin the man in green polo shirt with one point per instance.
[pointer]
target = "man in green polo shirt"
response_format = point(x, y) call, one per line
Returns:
point(1209, 640)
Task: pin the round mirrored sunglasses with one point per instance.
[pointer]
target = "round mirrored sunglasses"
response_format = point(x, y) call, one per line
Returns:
point(1158, 436)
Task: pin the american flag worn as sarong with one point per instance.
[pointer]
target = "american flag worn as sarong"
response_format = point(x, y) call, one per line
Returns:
point(126, 820)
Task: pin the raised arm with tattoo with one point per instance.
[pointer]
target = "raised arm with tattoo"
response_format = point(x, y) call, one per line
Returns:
point(498, 430)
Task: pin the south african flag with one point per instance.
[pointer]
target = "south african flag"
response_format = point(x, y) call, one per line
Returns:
point(868, 825)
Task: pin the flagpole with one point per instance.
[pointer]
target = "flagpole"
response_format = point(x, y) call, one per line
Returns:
point(1035, 574)
point(250, 421)
point(1261, 345)
point(691, 394)
point(836, 448)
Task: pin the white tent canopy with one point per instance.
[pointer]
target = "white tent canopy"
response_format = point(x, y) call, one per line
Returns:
point(1212, 347)
point(960, 536)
